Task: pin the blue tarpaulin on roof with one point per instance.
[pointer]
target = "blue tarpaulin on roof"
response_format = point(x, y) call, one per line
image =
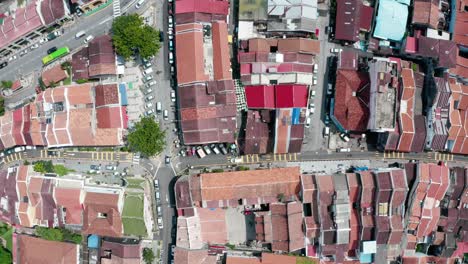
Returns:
point(391, 20)
point(295, 116)
point(365, 258)
point(93, 241)
point(123, 94)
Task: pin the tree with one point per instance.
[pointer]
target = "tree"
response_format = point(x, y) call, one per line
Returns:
point(61, 170)
point(53, 234)
point(5, 255)
point(2, 106)
point(43, 166)
point(58, 234)
point(131, 36)
point(146, 138)
point(148, 255)
point(7, 84)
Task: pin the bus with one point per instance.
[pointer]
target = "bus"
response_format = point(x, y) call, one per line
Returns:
point(55, 55)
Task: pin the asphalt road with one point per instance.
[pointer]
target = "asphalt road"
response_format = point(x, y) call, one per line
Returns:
point(221, 160)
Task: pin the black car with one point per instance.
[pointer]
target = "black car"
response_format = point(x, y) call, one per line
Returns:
point(3, 65)
point(52, 50)
point(161, 36)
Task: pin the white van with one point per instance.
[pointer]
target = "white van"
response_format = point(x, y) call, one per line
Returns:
point(148, 71)
point(139, 4)
point(326, 131)
point(200, 153)
point(344, 137)
point(158, 107)
point(166, 115)
point(80, 34)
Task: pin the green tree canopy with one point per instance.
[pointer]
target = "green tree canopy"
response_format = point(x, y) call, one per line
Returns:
point(148, 255)
point(131, 36)
point(7, 84)
point(5, 255)
point(43, 166)
point(147, 138)
point(2, 106)
point(58, 234)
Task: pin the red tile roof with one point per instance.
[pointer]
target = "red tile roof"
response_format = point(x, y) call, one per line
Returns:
point(311, 46)
point(109, 117)
point(52, 11)
point(69, 200)
point(407, 111)
point(34, 250)
point(106, 94)
point(249, 184)
point(351, 100)
point(20, 24)
point(54, 75)
point(256, 134)
point(190, 58)
point(461, 24)
point(202, 6)
point(101, 57)
point(221, 59)
point(295, 232)
point(101, 215)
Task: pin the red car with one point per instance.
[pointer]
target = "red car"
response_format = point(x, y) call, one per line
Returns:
point(317, 32)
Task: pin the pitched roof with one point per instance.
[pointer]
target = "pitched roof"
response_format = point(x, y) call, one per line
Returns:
point(407, 111)
point(101, 57)
point(299, 45)
point(121, 250)
point(256, 134)
point(69, 199)
point(203, 6)
point(182, 255)
point(101, 215)
point(352, 99)
point(190, 58)
point(106, 94)
point(52, 11)
point(54, 75)
point(351, 17)
point(34, 250)
point(20, 24)
point(260, 96)
point(221, 59)
point(249, 184)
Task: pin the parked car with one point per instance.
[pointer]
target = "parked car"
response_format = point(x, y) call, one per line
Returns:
point(173, 97)
point(95, 167)
point(35, 46)
point(161, 36)
point(149, 98)
point(156, 184)
point(207, 149)
point(148, 78)
point(148, 85)
point(19, 149)
point(111, 167)
point(171, 45)
point(315, 68)
point(344, 137)
point(223, 148)
point(149, 112)
point(158, 208)
point(215, 149)
point(52, 50)
point(165, 115)
point(307, 124)
point(148, 105)
point(312, 94)
point(3, 65)
point(167, 160)
point(160, 223)
point(148, 91)
point(147, 65)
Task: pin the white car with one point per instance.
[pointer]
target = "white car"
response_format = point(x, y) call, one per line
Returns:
point(160, 223)
point(148, 85)
point(336, 50)
point(35, 46)
point(149, 98)
point(42, 40)
point(149, 112)
point(148, 105)
point(148, 91)
point(148, 78)
point(88, 39)
point(307, 124)
point(173, 97)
